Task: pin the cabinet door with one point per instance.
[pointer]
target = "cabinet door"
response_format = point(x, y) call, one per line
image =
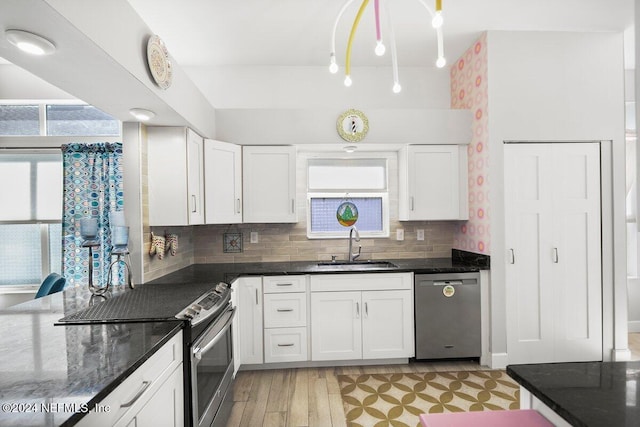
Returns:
point(166, 407)
point(223, 182)
point(250, 319)
point(575, 259)
point(167, 176)
point(269, 184)
point(387, 324)
point(235, 326)
point(433, 182)
point(553, 239)
point(195, 177)
point(528, 233)
point(336, 331)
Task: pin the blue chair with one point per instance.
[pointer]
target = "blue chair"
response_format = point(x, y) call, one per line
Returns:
point(52, 283)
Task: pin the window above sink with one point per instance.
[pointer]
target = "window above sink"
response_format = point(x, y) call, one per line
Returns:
point(360, 182)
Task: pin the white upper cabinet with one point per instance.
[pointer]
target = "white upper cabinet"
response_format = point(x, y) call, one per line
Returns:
point(269, 184)
point(433, 182)
point(223, 182)
point(175, 176)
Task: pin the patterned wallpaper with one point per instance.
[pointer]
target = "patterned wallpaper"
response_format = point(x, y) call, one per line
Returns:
point(469, 89)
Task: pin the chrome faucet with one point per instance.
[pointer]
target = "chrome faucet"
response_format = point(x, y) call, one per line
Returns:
point(353, 256)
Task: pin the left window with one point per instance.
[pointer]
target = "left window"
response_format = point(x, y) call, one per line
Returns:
point(31, 183)
point(30, 218)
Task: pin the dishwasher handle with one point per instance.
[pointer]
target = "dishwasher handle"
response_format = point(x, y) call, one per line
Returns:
point(448, 282)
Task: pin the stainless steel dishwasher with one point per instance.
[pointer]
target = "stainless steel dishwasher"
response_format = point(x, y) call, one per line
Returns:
point(447, 312)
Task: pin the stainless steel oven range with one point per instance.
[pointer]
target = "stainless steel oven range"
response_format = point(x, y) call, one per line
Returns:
point(210, 356)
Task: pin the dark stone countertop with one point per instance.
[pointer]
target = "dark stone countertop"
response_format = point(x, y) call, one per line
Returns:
point(75, 365)
point(593, 394)
point(229, 271)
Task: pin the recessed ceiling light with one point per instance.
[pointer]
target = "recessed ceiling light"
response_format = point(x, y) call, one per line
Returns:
point(142, 114)
point(29, 42)
point(350, 148)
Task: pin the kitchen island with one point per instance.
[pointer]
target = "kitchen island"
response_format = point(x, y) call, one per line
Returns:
point(593, 394)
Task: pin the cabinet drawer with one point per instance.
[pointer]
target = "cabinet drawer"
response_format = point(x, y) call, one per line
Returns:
point(361, 282)
point(276, 284)
point(285, 310)
point(285, 345)
point(139, 386)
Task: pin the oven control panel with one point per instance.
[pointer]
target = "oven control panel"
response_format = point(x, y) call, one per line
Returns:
point(206, 305)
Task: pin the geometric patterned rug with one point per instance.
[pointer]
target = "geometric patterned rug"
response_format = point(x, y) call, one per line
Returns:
point(397, 400)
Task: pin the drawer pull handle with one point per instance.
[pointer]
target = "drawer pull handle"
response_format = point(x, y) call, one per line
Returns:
point(284, 284)
point(145, 386)
point(284, 310)
point(285, 345)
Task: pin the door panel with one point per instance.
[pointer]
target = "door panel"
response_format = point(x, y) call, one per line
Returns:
point(577, 269)
point(528, 236)
point(387, 324)
point(552, 224)
point(336, 332)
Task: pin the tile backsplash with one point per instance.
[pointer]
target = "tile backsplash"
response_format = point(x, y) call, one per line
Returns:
point(288, 242)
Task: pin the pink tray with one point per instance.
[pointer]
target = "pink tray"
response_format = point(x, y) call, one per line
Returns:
point(511, 418)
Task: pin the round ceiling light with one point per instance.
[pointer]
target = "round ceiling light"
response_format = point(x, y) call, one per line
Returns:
point(29, 42)
point(142, 114)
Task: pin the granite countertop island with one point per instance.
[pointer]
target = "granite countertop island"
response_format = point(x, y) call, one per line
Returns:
point(48, 373)
point(593, 394)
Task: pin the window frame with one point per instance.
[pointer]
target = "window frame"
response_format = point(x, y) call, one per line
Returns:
point(347, 193)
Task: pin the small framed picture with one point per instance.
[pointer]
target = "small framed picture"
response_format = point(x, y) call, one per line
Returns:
point(232, 243)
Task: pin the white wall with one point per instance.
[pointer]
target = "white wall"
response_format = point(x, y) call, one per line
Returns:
point(19, 84)
point(318, 126)
point(314, 87)
point(300, 105)
point(560, 87)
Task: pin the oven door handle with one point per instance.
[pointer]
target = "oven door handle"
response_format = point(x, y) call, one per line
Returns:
point(197, 352)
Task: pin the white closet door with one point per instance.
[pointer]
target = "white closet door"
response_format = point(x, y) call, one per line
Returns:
point(576, 252)
point(552, 231)
point(528, 228)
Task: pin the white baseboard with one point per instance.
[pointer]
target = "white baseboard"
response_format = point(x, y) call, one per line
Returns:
point(621, 355)
point(499, 360)
point(633, 326)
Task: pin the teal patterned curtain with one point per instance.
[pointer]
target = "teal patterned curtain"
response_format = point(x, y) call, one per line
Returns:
point(92, 187)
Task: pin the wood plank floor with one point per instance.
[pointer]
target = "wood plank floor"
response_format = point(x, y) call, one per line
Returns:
point(307, 397)
point(310, 397)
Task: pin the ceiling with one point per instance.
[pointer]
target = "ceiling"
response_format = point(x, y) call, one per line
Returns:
point(298, 32)
point(203, 35)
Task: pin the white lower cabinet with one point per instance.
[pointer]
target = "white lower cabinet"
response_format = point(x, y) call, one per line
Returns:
point(285, 319)
point(387, 324)
point(250, 319)
point(153, 395)
point(324, 317)
point(361, 323)
point(336, 329)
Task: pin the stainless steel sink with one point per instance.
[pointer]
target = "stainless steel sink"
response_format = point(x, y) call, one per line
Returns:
point(357, 265)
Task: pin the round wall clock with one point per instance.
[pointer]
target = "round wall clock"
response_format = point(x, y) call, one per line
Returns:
point(159, 63)
point(353, 125)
